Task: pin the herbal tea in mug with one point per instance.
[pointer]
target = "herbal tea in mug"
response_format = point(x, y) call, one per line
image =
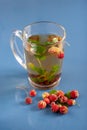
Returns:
point(43, 44)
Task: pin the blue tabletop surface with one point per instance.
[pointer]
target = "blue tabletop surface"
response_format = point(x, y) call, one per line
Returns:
point(14, 114)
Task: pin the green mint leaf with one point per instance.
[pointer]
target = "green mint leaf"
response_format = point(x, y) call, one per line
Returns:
point(36, 69)
point(67, 94)
point(33, 41)
point(39, 50)
point(50, 77)
point(53, 91)
point(31, 66)
point(55, 69)
point(48, 43)
point(38, 80)
point(40, 70)
point(43, 57)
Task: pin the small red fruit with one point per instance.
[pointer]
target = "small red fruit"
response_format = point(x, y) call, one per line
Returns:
point(61, 55)
point(52, 103)
point(55, 107)
point(53, 97)
point(63, 109)
point(63, 99)
point(59, 93)
point(47, 100)
point(42, 104)
point(45, 95)
point(74, 94)
point(28, 100)
point(71, 102)
point(32, 93)
point(54, 50)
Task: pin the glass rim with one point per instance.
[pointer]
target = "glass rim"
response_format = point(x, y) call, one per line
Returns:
point(50, 22)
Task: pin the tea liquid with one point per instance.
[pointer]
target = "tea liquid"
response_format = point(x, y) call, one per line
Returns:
point(44, 68)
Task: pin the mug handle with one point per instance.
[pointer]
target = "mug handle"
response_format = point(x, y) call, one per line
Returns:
point(15, 49)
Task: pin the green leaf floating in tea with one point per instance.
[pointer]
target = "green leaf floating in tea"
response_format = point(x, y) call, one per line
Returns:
point(36, 45)
point(33, 41)
point(40, 50)
point(36, 69)
point(53, 71)
point(48, 43)
point(43, 57)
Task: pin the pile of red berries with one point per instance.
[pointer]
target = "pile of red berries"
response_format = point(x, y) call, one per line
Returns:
point(58, 100)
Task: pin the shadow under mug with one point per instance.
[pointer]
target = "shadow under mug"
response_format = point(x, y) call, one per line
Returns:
point(43, 45)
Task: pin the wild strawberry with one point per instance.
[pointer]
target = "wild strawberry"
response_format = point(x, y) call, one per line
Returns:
point(52, 103)
point(57, 52)
point(45, 95)
point(47, 100)
point(63, 99)
point(54, 50)
point(74, 94)
point(55, 108)
point(71, 102)
point(63, 109)
point(60, 55)
point(28, 100)
point(59, 93)
point(53, 97)
point(32, 93)
point(42, 104)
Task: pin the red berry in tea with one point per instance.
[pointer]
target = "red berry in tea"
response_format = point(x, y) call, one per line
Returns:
point(61, 55)
point(54, 50)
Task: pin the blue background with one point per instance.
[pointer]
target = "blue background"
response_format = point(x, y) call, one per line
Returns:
point(14, 114)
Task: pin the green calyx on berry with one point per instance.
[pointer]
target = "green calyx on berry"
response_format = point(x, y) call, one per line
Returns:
point(72, 94)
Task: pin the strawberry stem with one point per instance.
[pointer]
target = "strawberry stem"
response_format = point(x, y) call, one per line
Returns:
point(23, 88)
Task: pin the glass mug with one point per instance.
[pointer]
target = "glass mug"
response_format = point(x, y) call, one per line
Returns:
point(43, 45)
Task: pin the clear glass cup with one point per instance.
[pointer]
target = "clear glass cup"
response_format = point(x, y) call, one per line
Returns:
point(43, 44)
